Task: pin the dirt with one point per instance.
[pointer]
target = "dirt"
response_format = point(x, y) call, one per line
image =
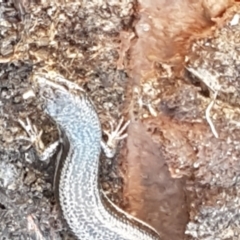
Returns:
point(170, 66)
point(79, 41)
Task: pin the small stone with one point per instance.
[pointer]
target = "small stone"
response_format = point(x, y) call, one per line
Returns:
point(28, 94)
point(234, 20)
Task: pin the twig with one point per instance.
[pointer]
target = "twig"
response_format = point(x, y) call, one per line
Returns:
point(209, 120)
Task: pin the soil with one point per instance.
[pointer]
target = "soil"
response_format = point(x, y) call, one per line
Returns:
point(174, 75)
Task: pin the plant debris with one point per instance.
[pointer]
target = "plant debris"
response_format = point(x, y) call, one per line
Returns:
point(156, 62)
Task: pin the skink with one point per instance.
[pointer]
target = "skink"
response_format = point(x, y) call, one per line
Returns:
point(88, 212)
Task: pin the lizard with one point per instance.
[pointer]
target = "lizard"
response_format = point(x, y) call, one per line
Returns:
point(88, 212)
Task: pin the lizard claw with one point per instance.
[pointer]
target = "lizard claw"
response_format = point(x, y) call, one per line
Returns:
point(114, 137)
point(34, 137)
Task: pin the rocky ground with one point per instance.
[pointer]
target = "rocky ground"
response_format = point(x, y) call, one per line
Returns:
point(172, 68)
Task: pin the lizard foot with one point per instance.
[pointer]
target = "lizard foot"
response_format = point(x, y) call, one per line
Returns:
point(34, 137)
point(114, 137)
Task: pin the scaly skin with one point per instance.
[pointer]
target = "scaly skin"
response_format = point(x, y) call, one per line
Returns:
point(88, 212)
